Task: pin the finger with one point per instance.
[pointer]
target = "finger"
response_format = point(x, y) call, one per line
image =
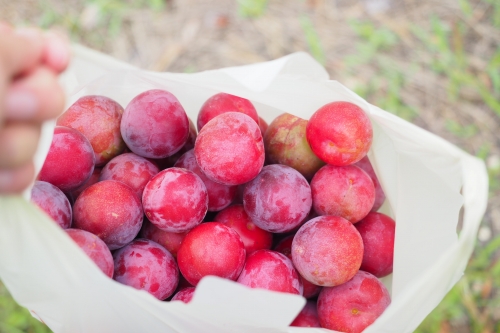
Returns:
point(20, 51)
point(15, 181)
point(5, 27)
point(36, 97)
point(56, 52)
point(18, 144)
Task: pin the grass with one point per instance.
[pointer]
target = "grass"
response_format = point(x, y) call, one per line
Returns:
point(16, 319)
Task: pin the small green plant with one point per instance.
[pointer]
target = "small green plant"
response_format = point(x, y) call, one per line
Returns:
point(251, 8)
point(313, 40)
point(16, 319)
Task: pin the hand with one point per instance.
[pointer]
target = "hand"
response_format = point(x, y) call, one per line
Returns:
point(30, 61)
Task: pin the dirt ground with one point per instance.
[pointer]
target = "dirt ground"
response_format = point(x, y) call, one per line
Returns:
point(371, 46)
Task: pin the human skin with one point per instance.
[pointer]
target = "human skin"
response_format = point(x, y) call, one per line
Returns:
point(30, 62)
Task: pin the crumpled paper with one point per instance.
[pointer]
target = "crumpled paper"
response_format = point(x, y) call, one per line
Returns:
point(426, 179)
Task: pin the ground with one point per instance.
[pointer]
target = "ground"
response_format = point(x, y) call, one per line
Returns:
point(434, 63)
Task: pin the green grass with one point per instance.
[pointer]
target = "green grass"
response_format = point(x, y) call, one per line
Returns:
point(16, 319)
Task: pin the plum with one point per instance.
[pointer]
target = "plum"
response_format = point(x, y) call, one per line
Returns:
point(270, 270)
point(184, 295)
point(110, 210)
point(308, 317)
point(145, 265)
point(278, 199)
point(221, 103)
point(154, 124)
point(327, 250)
point(377, 231)
point(229, 149)
point(175, 200)
point(219, 195)
point(285, 247)
point(70, 160)
point(130, 169)
point(53, 202)
point(211, 249)
point(253, 237)
point(345, 191)
point(94, 248)
point(98, 119)
point(169, 240)
point(365, 164)
point(354, 305)
point(286, 143)
point(340, 133)
point(94, 178)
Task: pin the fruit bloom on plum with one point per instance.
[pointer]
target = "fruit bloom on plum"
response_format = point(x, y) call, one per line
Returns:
point(110, 210)
point(94, 248)
point(271, 270)
point(327, 250)
point(98, 118)
point(70, 160)
point(145, 265)
point(340, 133)
point(175, 200)
point(278, 199)
point(354, 305)
point(345, 191)
point(221, 103)
point(53, 202)
point(229, 149)
point(130, 169)
point(154, 124)
point(211, 249)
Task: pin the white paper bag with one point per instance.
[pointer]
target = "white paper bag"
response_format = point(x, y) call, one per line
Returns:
point(426, 180)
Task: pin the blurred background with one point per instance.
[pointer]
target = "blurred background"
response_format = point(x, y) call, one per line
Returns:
point(434, 63)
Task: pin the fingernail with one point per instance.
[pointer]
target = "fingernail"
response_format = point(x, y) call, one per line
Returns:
point(20, 105)
point(57, 51)
point(6, 178)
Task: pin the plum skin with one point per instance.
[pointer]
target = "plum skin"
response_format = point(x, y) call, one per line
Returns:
point(145, 265)
point(98, 119)
point(327, 250)
point(211, 249)
point(223, 102)
point(278, 199)
point(354, 305)
point(53, 201)
point(286, 143)
point(229, 149)
point(175, 200)
point(70, 161)
point(340, 133)
point(378, 232)
point(345, 191)
point(154, 124)
point(110, 210)
point(271, 270)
